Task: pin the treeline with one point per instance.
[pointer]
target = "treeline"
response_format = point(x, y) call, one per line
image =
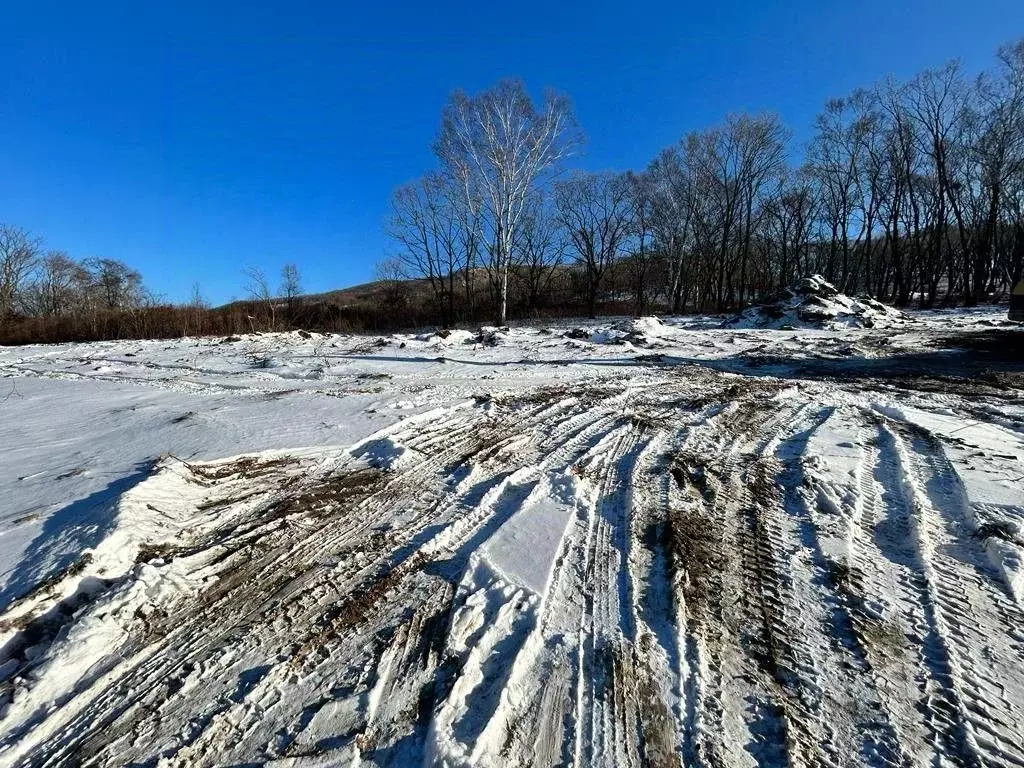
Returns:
point(171, 321)
point(51, 283)
point(46, 296)
point(909, 192)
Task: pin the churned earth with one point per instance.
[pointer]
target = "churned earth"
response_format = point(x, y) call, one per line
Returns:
point(619, 543)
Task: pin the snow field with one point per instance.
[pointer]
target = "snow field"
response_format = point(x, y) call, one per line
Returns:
point(564, 551)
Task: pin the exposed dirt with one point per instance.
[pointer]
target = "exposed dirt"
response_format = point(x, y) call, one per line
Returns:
point(708, 570)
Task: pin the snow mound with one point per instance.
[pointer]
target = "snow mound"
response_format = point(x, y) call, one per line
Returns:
point(383, 453)
point(455, 337)
point(816, 303)
point(644, 331)
point(489, 336)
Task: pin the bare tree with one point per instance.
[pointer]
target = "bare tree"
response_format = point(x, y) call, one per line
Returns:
point(713, 160)
point(18, 254)
point(595, 211)
point(760, 141)
point(192, 319)
point(291, 284)
point(900, 208)
point(540, 249)
point(790, 218)
point(500, 144)
point(641, 228)
point(196, 300)
point(873, 184)
point(425, 226)
point(671, 220)
point(936, 103)
point(60, 285)
point(114, 285)
point(997, 152)
point(389, 273)
point(837, 154)
point(465, 201)
point(258, 289)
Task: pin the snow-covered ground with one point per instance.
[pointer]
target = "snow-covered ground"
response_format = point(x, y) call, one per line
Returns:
point(628, 542)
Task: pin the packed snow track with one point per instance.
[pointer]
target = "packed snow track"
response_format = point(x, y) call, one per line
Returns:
point(665, 565)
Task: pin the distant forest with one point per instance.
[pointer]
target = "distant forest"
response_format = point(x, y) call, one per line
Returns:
point(909, 192)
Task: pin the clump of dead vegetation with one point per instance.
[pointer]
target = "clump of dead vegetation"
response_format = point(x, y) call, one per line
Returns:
point(150, 551)
point(242, 468)
point(585, 395)
point(327, 493)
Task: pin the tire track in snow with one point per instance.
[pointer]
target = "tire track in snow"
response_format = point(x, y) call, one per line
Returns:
point(961, 596)
point(607, 727)
point(657, 655)
point(729, 709)
point(694, 612)
point(189, 645)
point(776, 648)
point(832, 661)
point(494, 719)
point(896, 612)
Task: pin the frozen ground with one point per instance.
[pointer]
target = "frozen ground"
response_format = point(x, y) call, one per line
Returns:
point(619, 543)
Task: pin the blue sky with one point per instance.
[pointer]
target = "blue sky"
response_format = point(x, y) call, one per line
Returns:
point(191, 139)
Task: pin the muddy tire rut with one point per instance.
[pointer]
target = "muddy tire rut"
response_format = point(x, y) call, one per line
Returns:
point(615, 577)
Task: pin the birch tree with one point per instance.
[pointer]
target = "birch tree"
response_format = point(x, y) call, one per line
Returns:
point(672, 206)
point(500, 146)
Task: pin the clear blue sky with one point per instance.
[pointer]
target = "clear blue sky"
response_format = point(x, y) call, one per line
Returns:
point(190, 139)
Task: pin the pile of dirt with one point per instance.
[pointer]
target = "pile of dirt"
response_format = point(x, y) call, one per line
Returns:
point(490, 336)
point(487, 335)
point(644, 331)
point(647, 331)
point(446, 337)
point(816, 303)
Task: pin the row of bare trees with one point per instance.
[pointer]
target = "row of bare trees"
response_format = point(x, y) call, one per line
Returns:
point(909, 192)
point(48, 286)
point(923, 184)
point(46, 296)
point(39, 282)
